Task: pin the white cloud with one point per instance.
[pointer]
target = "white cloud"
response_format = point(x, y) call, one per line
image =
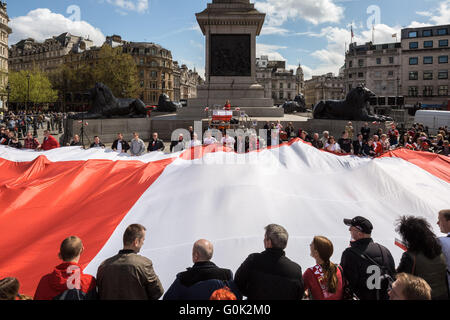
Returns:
point(314, 11)
point(270, 50)
point(442, 14)
point(137, 5)
point(41, 24)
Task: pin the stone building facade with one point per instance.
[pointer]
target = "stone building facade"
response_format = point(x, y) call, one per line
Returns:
point(376, 65)
point(5, 31)
point(48, 55)
point(324, 87)
point(185, 82)
point(279, 83)
point(425, 65)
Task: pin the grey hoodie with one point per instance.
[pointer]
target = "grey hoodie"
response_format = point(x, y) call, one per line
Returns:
point(137, 147)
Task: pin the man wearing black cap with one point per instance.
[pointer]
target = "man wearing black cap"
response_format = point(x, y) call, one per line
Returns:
point(361, 260)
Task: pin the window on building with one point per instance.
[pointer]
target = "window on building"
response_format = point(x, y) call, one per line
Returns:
point(412, 34)
point(350, 64)
point(443, 74)
point(413, 45)
point(281, 85)
point(360, 74)
point(427, 60)
point(141, 61)
point(413, 75)
point(141, 73)
point(428, 75)
point(442, 32)
point(443, 59)
point(427, 91)
point(361, 62)
point(443, 90)
point(378, 60)
point(413, 91)
point(350, 75)
point(281, 95)
point(427, 33)
point(142, 84)
point(391, 60)
point(390, 73)
point(413, 60)
point(154, 74)
point(377, 74)
point(428, 44)
point(443, 43)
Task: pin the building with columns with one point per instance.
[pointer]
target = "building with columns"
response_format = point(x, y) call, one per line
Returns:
point(5, 32)
point(324, 87)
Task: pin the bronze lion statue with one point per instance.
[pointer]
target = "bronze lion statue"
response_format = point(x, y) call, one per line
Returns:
point(354, 107)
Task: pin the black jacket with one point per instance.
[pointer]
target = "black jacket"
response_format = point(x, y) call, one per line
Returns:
point(357, 147)
point(195, 284)
point(158, 146)
point(176, 146)
point(270, 275)
point(355, 267)
point(125, 145)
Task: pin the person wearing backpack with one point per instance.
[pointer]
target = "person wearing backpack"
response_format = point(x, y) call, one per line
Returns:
point(368, 266)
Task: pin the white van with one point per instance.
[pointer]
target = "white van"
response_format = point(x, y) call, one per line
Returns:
point(433, 119)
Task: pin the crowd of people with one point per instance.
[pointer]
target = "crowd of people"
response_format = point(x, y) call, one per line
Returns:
point(366, 271)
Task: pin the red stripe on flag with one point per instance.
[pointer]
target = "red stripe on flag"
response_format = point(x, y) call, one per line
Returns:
point(436, 164)
point(43, 202)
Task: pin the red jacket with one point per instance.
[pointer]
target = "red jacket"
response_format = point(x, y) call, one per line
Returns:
point(49, 143)
point(64, 278)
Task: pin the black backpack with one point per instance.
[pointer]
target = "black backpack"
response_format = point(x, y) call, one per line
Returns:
point(386, 279)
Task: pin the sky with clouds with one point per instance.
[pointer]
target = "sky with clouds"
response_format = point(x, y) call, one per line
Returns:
point(311, 32)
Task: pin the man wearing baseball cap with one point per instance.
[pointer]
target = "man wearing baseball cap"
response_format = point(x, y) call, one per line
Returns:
point(356, 261)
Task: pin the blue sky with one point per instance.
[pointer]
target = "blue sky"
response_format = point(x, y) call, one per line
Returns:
point(312, 32)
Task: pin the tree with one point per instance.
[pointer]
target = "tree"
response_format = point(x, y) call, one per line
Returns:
point(40, 89)
point(108, 65)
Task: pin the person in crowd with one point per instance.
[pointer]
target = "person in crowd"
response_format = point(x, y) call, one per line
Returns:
point(279, 126)
point(362, 255)
point(137, 146)
point(3, 135)
point(290, 131)
point(270, 275)
point(9, 290)
point(393, 135)
point(385, 144)
point(358, 145)
point(128, 275)
point(15, 143)
point(409, 287)
point(332, 145)
point(97, 143)
point(438, 143)
point(317, 143)
point(350, 130)
point(49, 142)
point(424, 257)
point(445, 149)
point(228, 141)
point(177, 145)
point(195, 283)
point(8, 137)
point(120, 145)
point(377, 146)
point(241, 144)
point(253, 143)
point(227, 105)
point(155, 144)
point(209, 139)
point(365, 131)
point(195, 142)
point(444, 226)
point(379, 132)
point(345, 143)
point(224, 293)
point(67, 281)
point(191, 132)
point(324, 280)
point(304, 135)
point(76, 141)
point(325, 137)
point(368, 150)
point(30, 143)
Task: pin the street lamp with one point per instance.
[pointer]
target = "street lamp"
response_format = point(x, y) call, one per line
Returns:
point(28, 94)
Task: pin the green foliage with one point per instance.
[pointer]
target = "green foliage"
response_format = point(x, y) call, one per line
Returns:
point(40, 87)
point(111, 66)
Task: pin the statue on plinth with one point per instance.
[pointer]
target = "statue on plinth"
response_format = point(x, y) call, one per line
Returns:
point(354, 107)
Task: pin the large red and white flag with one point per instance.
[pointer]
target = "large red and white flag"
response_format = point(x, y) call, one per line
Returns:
point(219, 195)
